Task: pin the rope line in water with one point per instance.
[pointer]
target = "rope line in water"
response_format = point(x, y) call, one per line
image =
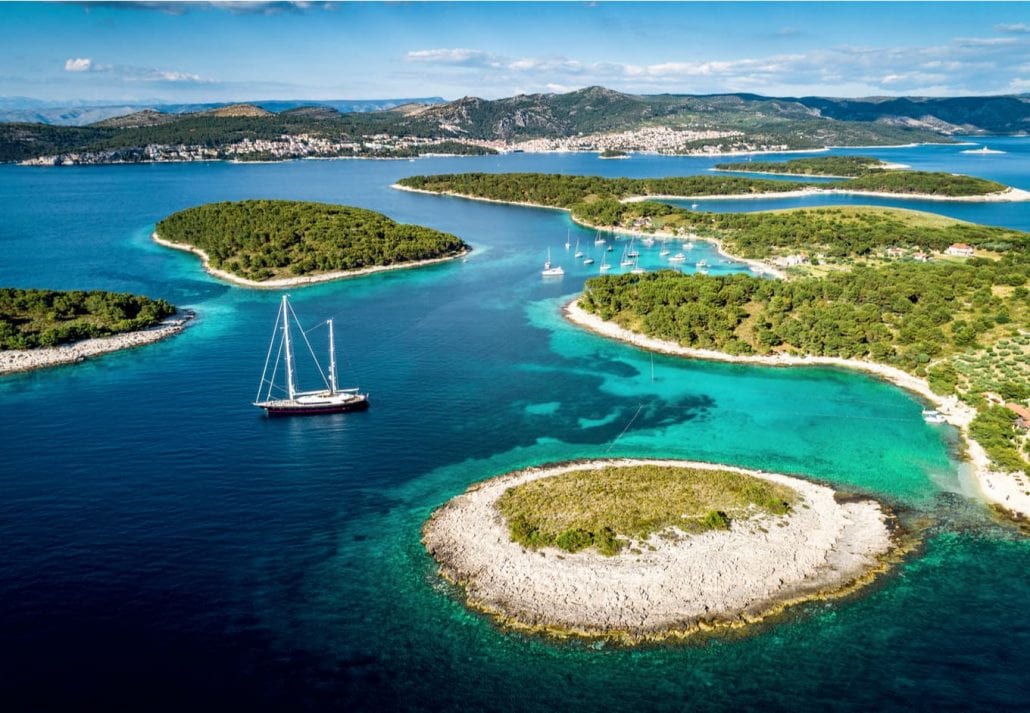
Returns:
point(612, 445)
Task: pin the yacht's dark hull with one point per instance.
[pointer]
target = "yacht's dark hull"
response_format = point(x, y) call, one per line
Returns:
point(316, 409)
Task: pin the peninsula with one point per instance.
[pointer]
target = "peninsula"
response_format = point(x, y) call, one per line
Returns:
point(822, 166)
point(273, 243)
point(42, 328)
point(643, 550)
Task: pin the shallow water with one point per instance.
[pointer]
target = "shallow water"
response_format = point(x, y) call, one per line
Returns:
point(164, 543)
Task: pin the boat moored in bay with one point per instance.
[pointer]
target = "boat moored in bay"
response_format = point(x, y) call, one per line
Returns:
point(295, 402)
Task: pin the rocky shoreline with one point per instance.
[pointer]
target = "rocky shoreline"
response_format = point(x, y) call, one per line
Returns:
point(13, 361)
point(674, 584)
point(295, 281)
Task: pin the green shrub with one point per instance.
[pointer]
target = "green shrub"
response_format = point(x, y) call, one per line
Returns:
point(574, 540)
point(715, 520)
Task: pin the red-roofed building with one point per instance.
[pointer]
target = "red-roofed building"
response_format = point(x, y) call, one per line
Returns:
point(1024, 415)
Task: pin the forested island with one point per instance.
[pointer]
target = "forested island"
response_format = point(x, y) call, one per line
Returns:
point(835, 166)
point(41, 328)
point(47, 318)
point(276, 242)
point(566, 191)
point(638, 550)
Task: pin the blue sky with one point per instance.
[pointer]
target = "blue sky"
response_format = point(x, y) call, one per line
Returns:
point(185, 52)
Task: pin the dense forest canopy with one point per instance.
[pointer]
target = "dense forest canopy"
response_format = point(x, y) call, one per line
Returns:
point(265, 239)
point(849, 166)
point(565, 191)
point(934, 320)
point(935, 184)
point(868, 174)
point(46, 318)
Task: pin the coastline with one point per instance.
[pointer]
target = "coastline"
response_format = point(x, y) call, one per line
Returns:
point(514, 148)
point(998, 489)
point(756, 266)
point(884, 166)
point(671, 586)
point(1009, 195)
point(21, 360)
point(300, 280)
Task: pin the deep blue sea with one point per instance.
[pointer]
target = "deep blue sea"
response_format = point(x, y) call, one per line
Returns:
point(165, 546)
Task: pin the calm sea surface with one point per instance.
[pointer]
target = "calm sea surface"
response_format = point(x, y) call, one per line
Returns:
point(163, 545)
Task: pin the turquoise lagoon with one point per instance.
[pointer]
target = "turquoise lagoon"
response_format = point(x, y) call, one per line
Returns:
point(165, 545)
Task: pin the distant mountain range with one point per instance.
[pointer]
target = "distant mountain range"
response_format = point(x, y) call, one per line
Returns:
point(28, 110)
point(574, 120)
point(597, 109)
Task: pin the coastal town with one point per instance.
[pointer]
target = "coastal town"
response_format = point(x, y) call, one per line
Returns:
point(284, 148)
point(660, 140)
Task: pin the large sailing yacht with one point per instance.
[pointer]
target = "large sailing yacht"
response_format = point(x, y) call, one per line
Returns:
point(332, 399)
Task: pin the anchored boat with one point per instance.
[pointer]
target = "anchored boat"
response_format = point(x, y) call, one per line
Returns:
point(331, 399)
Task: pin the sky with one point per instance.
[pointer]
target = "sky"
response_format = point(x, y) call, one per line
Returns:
point(221, 51)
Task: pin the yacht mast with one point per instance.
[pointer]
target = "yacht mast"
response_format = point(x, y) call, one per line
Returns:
point(332, 358)
point(291, 390)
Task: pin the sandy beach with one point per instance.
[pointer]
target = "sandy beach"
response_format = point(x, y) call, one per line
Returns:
point(672, 586)
point(1005, 490)
point(29, 359)
point(294, 281)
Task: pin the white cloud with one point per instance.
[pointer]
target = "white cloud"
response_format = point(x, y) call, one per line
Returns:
point(450, 56)
point(158, 75)
point(1017, 27)
point(130, 73)
point(83, 64)
point(969, 65)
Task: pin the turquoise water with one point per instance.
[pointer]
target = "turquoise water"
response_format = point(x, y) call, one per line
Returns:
point(163, 543)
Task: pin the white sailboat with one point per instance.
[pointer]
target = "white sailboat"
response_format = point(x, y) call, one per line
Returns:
point(568, 237)
point(605, 267)
point(331, 399)
point(598, 240)
point(664, 251)
point(579, 253)
point(549, 270)
point(626, 261)
point(678, 257)
point(637, 270)
point(631, 252)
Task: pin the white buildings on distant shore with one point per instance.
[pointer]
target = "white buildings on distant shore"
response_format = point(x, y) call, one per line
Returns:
point(960, 250)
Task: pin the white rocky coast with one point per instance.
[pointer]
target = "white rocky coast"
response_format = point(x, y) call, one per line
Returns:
point(28, 359)
point(670, 585)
